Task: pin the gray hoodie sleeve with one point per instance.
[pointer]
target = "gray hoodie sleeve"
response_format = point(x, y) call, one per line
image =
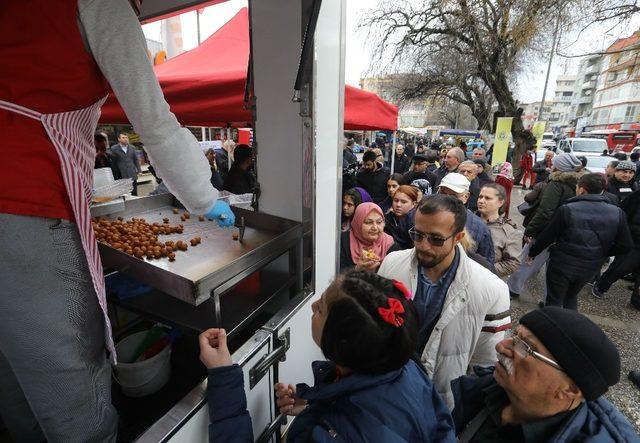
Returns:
point(116, 41)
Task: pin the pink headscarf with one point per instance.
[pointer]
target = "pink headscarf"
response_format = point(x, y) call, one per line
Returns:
point(358, 243)
point(506, 170)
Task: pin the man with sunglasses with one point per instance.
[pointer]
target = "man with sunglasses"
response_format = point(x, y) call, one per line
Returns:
point(547, 385)
point(463, 307)
point(458, 186)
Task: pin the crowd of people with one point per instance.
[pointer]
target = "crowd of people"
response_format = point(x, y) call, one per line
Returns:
point(232, 167)
point(417, 328)
point(558, 230)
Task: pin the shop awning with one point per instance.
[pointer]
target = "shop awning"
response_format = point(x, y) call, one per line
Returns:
point(205, 86)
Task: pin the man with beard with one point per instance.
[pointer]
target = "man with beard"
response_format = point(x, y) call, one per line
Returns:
point(463, 307)
point(547, 385)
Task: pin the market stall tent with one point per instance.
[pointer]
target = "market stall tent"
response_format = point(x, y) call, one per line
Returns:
point(206, 86)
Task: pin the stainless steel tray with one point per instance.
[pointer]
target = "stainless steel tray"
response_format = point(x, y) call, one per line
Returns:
point(217, 260)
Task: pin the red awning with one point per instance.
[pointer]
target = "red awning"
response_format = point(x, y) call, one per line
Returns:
point(364, 111)
point(205, 86)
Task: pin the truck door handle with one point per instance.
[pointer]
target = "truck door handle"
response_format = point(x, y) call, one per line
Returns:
point(264, 364)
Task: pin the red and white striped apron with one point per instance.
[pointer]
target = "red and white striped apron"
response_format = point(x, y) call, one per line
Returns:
point(71, 134)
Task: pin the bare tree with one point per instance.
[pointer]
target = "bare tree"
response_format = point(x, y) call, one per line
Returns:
point(493, 36)
point(454, 82)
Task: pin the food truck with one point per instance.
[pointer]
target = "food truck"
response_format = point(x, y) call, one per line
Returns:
point(258, 279)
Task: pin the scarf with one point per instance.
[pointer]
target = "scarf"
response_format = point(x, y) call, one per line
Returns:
point(357, 241)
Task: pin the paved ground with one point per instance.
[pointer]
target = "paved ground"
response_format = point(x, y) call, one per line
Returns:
point(616, 317)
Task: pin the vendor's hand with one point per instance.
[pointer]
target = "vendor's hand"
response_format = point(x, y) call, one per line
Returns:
point(528, 240)
point(222, 212)
point(287, 401)
point(529, 260)
point(214, 352)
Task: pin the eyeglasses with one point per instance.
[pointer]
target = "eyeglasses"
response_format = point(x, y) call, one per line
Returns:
point(523, 349)
point(434, 240)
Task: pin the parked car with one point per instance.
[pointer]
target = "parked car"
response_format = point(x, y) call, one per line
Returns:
point(583, 146)
point(598, 163)
point(548, 141)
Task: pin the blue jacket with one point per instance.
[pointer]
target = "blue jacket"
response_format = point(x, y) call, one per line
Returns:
point(400, 406)
point(595, 421)
point(582, 239)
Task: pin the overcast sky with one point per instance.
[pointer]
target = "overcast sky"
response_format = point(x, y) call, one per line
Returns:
point(358, 58)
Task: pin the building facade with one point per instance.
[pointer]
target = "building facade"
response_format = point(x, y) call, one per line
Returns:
point(416, 113)
point(583, 91)
point(616, 102)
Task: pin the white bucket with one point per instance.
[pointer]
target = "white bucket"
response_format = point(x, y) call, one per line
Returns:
point(145, 377)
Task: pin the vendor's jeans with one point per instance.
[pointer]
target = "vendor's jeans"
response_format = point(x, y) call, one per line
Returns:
point(621, 266)
point(518, 279)
point(53, 368)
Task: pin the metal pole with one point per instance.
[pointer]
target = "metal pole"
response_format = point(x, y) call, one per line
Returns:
point(553, 50)
point(393, 154)
point(204, 134)
point(198, 25)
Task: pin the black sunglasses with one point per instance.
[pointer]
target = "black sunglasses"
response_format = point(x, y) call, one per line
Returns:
point(434, 240)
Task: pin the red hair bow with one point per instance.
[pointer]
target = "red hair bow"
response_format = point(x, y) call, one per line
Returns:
point(402, 288)
point(391, 314)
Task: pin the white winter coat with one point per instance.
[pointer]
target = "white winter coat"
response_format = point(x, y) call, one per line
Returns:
point(473, 319)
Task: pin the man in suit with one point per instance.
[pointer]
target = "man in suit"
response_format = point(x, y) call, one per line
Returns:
point(125, 161)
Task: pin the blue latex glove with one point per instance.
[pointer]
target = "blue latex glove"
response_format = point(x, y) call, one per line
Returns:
point(222, 212)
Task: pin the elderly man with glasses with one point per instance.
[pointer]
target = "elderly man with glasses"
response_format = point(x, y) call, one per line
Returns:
point(547, 385)
point(463, 307)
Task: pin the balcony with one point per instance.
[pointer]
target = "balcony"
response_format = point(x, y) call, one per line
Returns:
point(591, 84)
point(592, 69)
point(584, 100)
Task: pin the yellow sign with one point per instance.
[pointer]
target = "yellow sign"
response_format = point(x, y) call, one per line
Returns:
point(538, 132)
point(501, 142)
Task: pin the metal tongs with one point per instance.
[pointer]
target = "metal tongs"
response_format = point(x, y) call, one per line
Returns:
point(240, 225)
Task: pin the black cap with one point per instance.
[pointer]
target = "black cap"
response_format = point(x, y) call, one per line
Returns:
point(579, 346)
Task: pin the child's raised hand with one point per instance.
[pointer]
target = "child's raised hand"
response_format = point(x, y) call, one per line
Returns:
point(214, 352)
point(287, 401)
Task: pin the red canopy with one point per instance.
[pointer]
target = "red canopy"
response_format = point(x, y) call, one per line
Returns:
point(205, 86)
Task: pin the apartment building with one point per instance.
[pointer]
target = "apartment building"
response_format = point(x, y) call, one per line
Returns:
point(616, 102)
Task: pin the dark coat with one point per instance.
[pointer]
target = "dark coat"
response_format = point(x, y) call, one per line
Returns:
point(125, 164)
point(346, 262)
point(540, 168)
point(631, 207)
point(348, 157)
point(561, 187)
point(401, 164)
point(375, 183)
point(582, 241)
point(239, 181)
point(222, 162)
point(399, 406)
point(399, 229)
point(484, 179)
point(480, 233)
point(619, 189)
point(595, 421)
point(474, 193)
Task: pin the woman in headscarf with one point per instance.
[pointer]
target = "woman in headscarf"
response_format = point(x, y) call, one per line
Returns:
point(364, 195)
point(366, 244)
point(505, 179)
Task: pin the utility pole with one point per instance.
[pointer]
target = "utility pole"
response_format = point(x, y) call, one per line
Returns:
point(553, 50)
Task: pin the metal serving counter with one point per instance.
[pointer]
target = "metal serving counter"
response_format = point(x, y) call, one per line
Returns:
point(215, 265)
